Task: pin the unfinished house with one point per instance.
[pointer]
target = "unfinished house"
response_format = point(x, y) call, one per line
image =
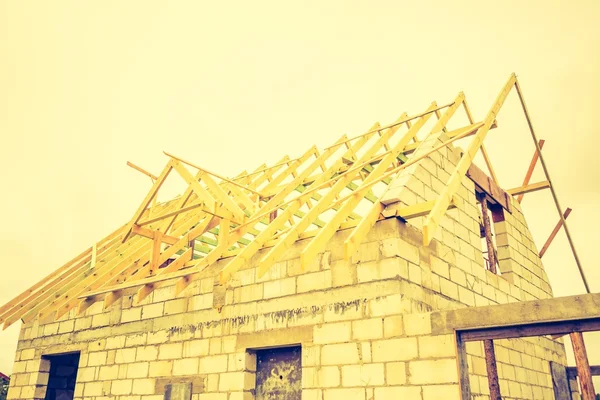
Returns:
point(385, 266)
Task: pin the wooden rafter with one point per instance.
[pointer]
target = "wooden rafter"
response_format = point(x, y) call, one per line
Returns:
point(309, 197)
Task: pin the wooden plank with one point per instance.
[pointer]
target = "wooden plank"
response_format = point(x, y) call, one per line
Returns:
point(583, 366)
point(267, 174)
point(554, 232)
point(138, 278)
point(207, 172)
point(156, 247)
point(41, 303)
point(66, 297)
point(485, 184)
point(219, 194)
point(533, 187)
point(532, 164)
point(463, 367)
point(61, 272)
point(487, 227)
point(319, 242)
point(417, 210)
point(277, 224)
point(142, 170)
point(151, 234)
point(146, 290)
point(434, 218)
point(398, 122)
point(492, 370)
point(554, 195)
point(151, 194)
point(535, 329)
point(544, 311)
point(572, 371)
point(79, 271)
point(360, 231)
point(323, 204)
point(413, 160)
point(291, 169)
point(560, 382)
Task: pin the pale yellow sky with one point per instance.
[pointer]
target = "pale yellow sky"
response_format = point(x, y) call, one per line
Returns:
point(86, 86)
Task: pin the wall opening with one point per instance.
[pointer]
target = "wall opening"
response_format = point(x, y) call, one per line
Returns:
point(62, 377)
point(489, 212)
point(279, 373)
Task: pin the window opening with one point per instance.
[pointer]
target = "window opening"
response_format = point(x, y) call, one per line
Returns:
point(279, 373)
point(62, 377)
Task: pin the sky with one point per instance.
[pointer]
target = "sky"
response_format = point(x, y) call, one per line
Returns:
point(87, 86)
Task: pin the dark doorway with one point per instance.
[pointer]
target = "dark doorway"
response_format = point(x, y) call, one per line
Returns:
point(63, 374)
point(279, 374)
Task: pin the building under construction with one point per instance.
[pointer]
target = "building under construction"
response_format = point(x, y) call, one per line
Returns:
point(385, 266)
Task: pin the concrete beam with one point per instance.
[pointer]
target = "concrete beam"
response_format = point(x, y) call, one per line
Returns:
point(559, 309)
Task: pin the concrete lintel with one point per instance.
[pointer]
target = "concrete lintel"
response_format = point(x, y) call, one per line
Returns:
point(520, 313)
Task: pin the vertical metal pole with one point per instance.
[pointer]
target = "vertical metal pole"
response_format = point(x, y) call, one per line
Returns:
point(554, 196)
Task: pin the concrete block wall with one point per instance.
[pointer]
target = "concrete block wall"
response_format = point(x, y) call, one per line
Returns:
point(363, 323)
point(523, 367)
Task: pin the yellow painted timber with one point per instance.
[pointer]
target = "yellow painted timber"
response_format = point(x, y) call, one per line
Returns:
point(289, 170)
point(37, 294)
point(277, 224)
point(433, 219)
point(323, 204)
point(529, 188)
point(83, 278)
point(142, 170)
point(219, 194)
point(41, 298)
point(151, 234)
point(205, 172)
point(319, 242)
point(151, 194)
point(145, 290)
point(361, 230)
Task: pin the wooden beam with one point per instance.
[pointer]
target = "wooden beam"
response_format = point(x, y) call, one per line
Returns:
point(229, 208)
point(212, 173)
point(399, 122)
point(583, 367)
point(576, 309)
point(463, 367)
point(534, 329)
point(146, 290)
point(532, 164)
point(78, 271)
point(360, 231)
point(151, 234)
point(434, 218)
point(554, 195)
point(143, 171)
point(486, 185)
point(334, 223)
point(554, 232)
point(492, 370)
point(277, 224)
point(487, 227)
point(319, 242)
point(417, 210)
point(151, 194)
point(572, 371)
point(533, 187)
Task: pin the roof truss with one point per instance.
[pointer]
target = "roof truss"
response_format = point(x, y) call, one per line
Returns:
point(309, 197)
